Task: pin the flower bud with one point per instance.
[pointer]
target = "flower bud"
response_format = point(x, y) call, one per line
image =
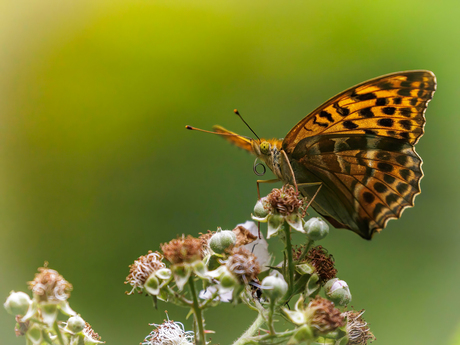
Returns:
point(222, 240)
point(316, 228)
point(17, 303)
point(274, 287)
point(338, 292)
point(228, 280)
point(262, 208)
point(75, 324)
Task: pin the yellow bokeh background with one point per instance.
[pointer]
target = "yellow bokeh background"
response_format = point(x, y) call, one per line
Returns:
point(97, 168)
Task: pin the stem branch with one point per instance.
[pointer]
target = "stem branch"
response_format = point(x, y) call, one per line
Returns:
point(198, 313)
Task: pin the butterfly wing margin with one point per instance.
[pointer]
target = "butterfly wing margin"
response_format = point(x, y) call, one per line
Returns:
point(392, 105)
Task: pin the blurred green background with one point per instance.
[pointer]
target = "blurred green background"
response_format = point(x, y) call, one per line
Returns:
point(97, 168)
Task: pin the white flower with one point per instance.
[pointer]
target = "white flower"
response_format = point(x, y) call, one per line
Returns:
point(169, 333)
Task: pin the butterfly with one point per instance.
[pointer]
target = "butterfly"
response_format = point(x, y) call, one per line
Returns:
point(359, 147)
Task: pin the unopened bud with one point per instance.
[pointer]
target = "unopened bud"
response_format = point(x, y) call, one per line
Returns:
point(17, 303)
point(316, 228)
point(75, 324)
point(262, 208)
point(338, 292)
point(274, 287)
point(222, 240)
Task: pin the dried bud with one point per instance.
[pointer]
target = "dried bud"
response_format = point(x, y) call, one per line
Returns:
point(322, 262)
point(316, 228)
point(17, 303)
point(145, 273)
point(183, 249)
point(274, 287)
point(50, 286)
point(285, 201)
point(243, 264)
point(222, 241)
point(325, 317)
point(358, 332)
point(338, 292)
point(280, 206)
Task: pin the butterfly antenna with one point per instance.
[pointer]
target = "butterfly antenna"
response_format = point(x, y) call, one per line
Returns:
point(241, 117)
point(222, 134)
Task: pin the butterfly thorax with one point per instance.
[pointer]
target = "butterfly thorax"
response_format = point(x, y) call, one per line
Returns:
point(269, 151)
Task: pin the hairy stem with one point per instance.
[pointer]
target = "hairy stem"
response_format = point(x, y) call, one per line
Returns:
point(290, 261)
point(198, 313)
point(271, 311)
point(251, 331)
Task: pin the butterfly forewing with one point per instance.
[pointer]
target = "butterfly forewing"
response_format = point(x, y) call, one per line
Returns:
point(359, 145)
point(391, 106)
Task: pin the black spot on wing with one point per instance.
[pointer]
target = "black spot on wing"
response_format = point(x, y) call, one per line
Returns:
point(381, 102)
point(350, 124)
point(386, 122)
point(391, 198)
point(404, 92)
point(319, 123)
point(389, 110)
point(402, 159)
point(385, 167)
point(388, 179)
point(342, 111)
point(404, 135)
point(380, 187)
point(366, 112)
point(370, 132)
point(364, 97)
point(383, 155)
point(326, 115)
point(405, 174)
point(402, 187)
point(406, 124)
point(406, 112)
point(368, 197)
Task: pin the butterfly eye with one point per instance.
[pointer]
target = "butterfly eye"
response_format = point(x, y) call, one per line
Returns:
point(264, 147)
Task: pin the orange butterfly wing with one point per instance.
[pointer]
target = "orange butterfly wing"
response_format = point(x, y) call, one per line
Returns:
point(359, 145)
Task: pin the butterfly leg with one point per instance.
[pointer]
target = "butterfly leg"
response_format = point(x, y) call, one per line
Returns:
point(265, 181)
point(290, 169)
point(318, 185)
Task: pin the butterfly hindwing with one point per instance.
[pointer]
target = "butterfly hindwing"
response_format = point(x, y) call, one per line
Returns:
point(363, 189)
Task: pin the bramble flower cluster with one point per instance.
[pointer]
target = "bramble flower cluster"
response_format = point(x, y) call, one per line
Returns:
point(229, 264)
point(37, 318)
point(216, 267)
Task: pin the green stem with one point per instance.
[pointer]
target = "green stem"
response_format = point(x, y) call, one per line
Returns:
point(251, 331)
point(271, 311)
point(198, 313)
point(305, 250)
point(58, 333)
point(290, 261)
